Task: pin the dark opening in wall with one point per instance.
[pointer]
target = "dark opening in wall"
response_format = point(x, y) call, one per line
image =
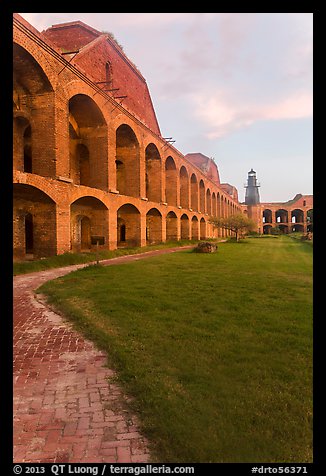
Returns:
point(29, 234)
point(28, 151)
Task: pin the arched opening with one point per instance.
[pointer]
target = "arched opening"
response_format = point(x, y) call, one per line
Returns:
point(185, 232)
point(121, 238)
point(84, 167)
point(89, 224)
point(22, 143)
point(121, 176)
point(85, 233)
point(171, 227)
point(202, 229)
point(153, 226)
point(33, 98)
point(128, 159)
point(267, 216)
point(87, 143)
point(194, 192)
point(34, 223)
point(297, 216)
point(267, 229)
point(184, 188)
point(202, 196)
point(128, 218)
point(213, 213)
point(170, 182)
point(297, 227)
point(218, 205)
point(281, 216)
point(153, 173)
point(283, 228)
point(208, 202)
point(194, 228)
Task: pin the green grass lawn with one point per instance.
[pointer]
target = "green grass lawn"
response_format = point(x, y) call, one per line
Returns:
point(215, 348)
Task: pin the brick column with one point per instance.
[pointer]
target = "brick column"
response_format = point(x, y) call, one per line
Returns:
point(62, 137)
point(164, 228)
point(63, 228)
point(44, 142)
point(163, 182)
point(143, 229)
point(142, 174)
point(178, 187)
point(113, 230)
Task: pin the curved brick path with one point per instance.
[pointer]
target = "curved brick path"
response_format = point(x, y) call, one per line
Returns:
point(66, 409)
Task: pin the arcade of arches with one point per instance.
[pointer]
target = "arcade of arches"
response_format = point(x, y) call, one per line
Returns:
point(88, 173)
point(288, 219)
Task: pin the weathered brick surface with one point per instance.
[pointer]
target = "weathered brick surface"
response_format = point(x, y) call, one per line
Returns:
point(73, 141)
point(66, 409)
point(294, 215)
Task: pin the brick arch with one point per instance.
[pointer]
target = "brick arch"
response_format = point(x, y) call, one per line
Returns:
point(184, 186)
point(88, 144)
point(282, 215)
point(90, 194)
point(22, 114)
point(221, 205)
point(123, 119)
point(130, 218)
point(178, 162)
point(148, 140)
point(89, 219)
point(267, 215)
point(37, 54)
point(185, 226)
point(171, 226)
point(96, 117)
point(202, 228)
point(195, 228)
point(131, 206)
point(186, 167)
point(33, 207)
point(128, 158)
point(208, 201)
point(153, 226)
point(202, 196)
point(33, 90)
point(214, 204)
point(76, 86)
point(194, 191)
point(41, 184)
point(171, 180)
point(153, 174)
point(297, 215)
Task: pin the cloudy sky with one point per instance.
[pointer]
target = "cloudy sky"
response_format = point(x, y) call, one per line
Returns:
point(236, 87)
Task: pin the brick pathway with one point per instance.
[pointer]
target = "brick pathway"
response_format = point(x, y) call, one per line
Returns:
point(66, 407)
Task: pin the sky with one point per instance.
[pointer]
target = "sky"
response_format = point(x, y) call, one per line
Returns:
point(237, 87)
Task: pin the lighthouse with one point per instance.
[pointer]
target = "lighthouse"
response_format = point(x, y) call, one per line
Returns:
point(252, 192)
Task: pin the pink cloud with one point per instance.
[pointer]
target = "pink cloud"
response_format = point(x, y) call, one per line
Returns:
point(223, 116)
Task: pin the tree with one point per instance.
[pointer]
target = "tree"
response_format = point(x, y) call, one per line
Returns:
point(239, 224)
